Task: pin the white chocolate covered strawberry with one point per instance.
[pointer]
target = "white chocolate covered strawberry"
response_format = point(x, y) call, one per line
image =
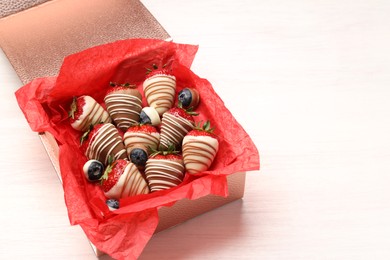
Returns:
point(200, 147)
point(160, 88)
point(124, 104)
point(122, 179)
point(85, 111)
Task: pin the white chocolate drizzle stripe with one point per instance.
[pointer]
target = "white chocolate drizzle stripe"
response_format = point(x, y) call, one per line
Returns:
point(130, 183)
point(106, 137)
point(134, 183)
point(123, 108)
point(160, 92)
point(199, 152)
point(136, 139)
point(163, 175)
point(173, 129)
point(93, 113)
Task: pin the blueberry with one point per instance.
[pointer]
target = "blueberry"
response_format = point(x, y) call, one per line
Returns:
point(185, 97)
point(112, 204)
point(93, 170)
point(144, 119)
point(139, 157)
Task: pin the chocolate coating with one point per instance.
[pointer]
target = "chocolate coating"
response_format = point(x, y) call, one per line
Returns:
point(199, 152)
point(173, 130)
point(164, 174)
point(130, 183)
point(93, 113)
point(140, 140)
point(160, 92)
point(105, 143)
point(124, 107)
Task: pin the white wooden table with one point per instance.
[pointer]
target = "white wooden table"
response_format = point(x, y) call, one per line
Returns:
point(308, 80)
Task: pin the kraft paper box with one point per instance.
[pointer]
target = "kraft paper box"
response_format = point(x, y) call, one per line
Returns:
point(222, 185)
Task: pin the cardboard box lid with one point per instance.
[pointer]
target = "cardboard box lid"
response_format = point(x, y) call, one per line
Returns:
point(15, 6)
point(37, 39)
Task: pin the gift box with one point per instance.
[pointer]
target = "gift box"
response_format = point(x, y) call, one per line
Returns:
point(51, 83)
point(182, 210)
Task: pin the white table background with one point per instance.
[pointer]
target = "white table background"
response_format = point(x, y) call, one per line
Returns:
point(308, 80)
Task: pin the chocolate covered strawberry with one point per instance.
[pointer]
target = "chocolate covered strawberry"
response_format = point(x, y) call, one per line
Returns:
point(175, 124)
point(122, 179)
point(159, 89)
point(85, 111)
point(199, 148)
point(103, 141)
point(124, 104)
point(139, 139)
point(164, 170)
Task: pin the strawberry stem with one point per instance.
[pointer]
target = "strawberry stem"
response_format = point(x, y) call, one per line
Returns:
point(189, 111)
point(154, 67)
point(126, 85)
point(73, 108)
point(110, 166)
point(171, 150)
point(85, 135)
point(205, 127)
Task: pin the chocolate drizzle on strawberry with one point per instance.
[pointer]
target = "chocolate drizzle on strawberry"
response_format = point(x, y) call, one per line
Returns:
point(102, 142)
point(199, 147)
point(85, 111)
point(141, 136)
point(124, 104)
point(164, 169)
point(175, 124)
point(122, 179)
point(159, 88)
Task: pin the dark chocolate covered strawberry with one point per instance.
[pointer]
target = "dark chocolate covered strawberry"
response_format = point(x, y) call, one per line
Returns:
point(103, 141)
point(175, 124)
point(199, 148)
point(124, 104)
point(85, 111)
point(159, 89)
point(122, 179)
point(164, 170)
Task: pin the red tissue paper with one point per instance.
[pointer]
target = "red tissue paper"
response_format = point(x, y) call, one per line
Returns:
point(45, 102)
